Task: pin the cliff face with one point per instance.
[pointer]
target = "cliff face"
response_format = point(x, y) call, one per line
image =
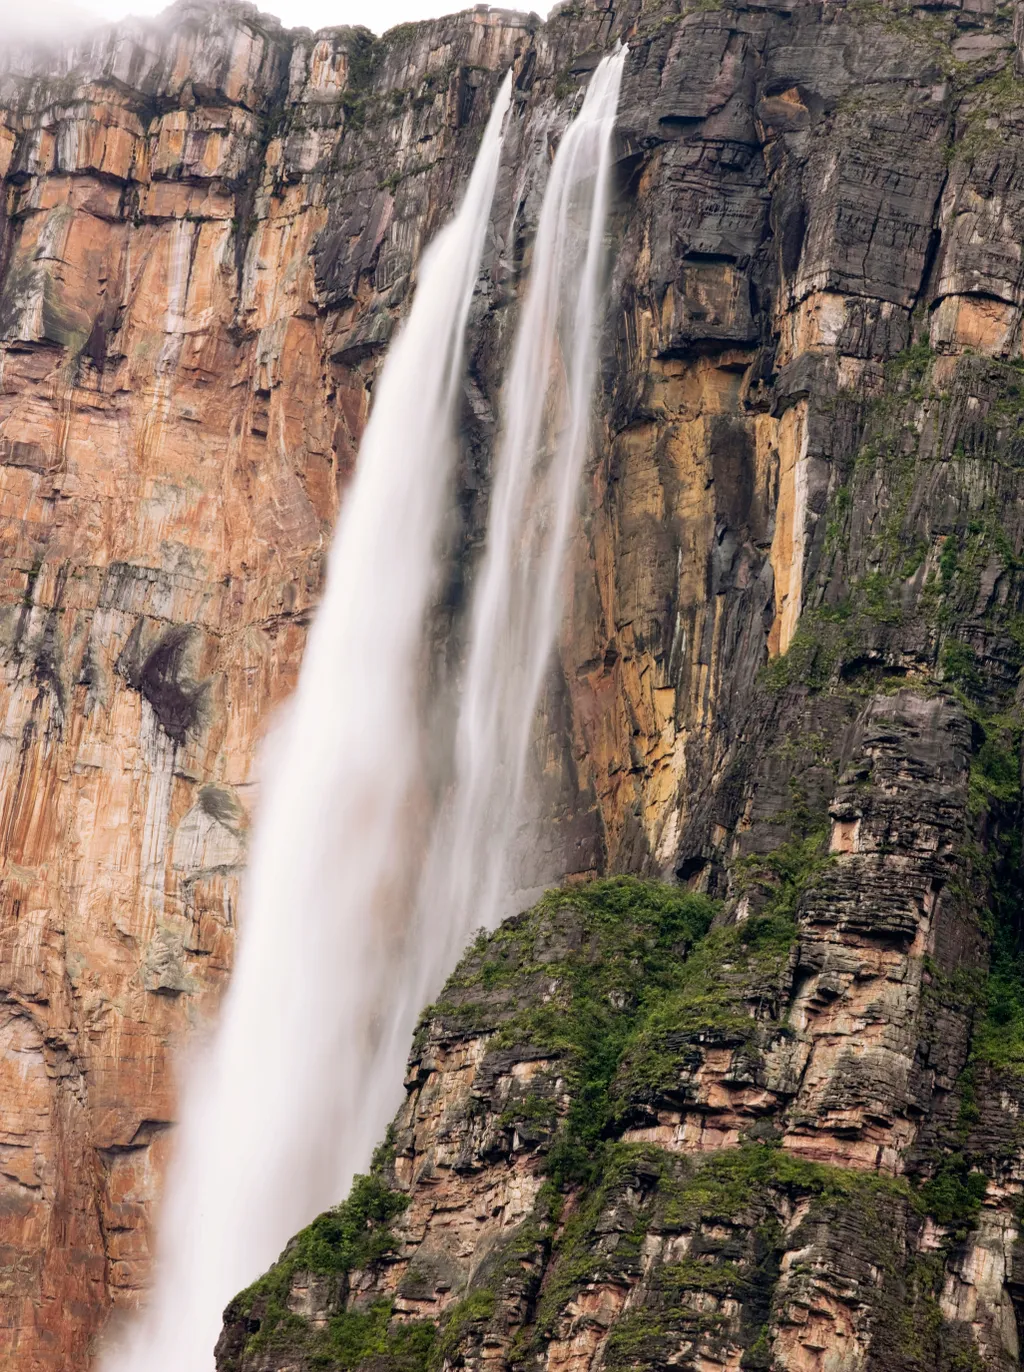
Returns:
point(183, 388)
point(602, 1163)
point(788, 676)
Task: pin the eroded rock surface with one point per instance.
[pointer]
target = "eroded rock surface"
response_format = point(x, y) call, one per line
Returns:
point(517, 1217)
point(787, 678)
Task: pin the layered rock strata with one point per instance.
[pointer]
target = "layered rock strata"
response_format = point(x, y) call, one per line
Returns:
point(602, 1162)
point(790, 660)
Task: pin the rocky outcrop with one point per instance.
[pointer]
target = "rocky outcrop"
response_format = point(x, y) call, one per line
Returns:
point(788, 678)
point(517, 1216)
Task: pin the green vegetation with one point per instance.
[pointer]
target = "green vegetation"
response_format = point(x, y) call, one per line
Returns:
point(353, 1336)
point(821, 643)
point(643, 1190)
point(710, 998)
point(830, 638)
point(730, 1202)
point(352, 1236)
point(877, 547)
point(580, 1256)
point(953, 1196)
point(839, 512)
point(606, 953)
point(995, 766)
point(995, 802)
point(566, 84)
point(998, 1041)
point(733, 972)
point(730, 1182)
point(959, 665)
point(876, 594)
point(583, 945)
point(364, 58)
point(635, 975)
point(472, 1312)
point(912, 363)
point(984, 117)
point(623, 983)
point(618, 980)
point(999, 1036)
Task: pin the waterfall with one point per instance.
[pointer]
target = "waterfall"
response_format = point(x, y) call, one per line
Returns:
point(290, 1096)
point(518, 602)
point(347, 927)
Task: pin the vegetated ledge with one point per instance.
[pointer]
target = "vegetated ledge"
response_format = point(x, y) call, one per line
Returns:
point(549, 1041)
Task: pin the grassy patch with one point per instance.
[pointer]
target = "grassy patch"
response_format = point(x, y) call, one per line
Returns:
point(995, 801)
point(570, 980)
point(960, 664)
point(353, 1236)
point(353, 1336)
point(647, 936)
point(953, 1196)
point(822, 640)
point(998, 1040)
point(734, 979)
point(729, 1202)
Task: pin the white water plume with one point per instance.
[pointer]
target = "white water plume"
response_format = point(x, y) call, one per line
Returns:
point(292, 1093)
point(470, 880)
point(336, 956)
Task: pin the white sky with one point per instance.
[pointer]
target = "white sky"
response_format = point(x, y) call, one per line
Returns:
point(46, 17)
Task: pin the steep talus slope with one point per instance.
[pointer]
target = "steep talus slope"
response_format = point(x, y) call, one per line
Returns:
point(788, 675)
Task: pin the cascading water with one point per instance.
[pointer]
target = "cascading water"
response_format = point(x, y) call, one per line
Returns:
point(291, 1095)
point(518, 602)
point(303, 1073)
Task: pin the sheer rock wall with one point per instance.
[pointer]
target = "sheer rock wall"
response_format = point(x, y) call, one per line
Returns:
point(795, 595)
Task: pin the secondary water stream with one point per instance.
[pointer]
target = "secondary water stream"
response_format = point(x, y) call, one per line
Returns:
point(345, 931)
point(470, 877)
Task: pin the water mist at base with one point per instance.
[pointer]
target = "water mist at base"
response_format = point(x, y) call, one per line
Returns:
point(291, 1095)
